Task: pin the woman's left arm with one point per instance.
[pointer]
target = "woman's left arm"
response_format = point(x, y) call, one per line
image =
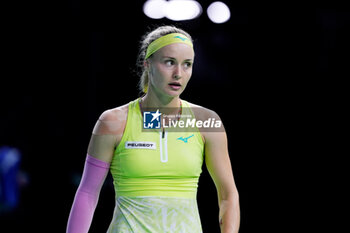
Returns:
point(219, 166)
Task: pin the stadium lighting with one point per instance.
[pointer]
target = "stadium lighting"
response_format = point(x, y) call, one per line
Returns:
point(183, 10)
point(155, 9)
point(176, 10)
point(218, 12)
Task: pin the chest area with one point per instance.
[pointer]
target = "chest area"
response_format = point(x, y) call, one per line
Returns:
point(161, 154)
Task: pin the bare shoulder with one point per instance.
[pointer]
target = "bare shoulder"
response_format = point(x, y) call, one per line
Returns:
point(203, 112)
point(107, 133)
point(112, 121)
point(115, 114)
point(213, 121)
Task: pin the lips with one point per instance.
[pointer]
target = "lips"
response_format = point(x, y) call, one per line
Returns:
point(175, 85)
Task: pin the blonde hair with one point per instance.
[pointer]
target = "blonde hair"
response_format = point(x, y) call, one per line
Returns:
point(147, 39)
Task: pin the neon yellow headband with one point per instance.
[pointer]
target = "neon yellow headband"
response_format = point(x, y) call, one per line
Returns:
point(167, 40)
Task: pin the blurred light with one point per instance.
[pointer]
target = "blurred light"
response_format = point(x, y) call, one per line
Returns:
point(174, 9)
point(155, 9)
point(218, 12)
point(183, 10)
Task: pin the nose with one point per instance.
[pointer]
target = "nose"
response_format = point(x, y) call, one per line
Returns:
point(177, 72)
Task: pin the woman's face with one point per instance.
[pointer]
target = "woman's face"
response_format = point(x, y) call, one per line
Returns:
point(170, 69)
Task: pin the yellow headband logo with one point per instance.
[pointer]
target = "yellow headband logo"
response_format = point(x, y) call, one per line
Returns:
point(167, 40)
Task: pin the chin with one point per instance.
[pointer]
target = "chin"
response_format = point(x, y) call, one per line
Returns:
point(168, 92)
point(173, 93)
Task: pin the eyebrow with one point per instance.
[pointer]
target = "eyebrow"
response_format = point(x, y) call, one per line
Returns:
point(188, 59)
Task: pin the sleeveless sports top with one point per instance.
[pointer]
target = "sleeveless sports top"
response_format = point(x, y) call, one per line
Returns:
point(156, 176)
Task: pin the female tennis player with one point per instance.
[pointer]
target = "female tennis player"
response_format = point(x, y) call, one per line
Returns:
point(156, 170)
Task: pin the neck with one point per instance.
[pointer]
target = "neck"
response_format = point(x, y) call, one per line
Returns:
point(150, 100)
point(167, 104)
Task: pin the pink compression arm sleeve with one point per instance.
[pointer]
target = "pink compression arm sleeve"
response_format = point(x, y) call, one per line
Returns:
point(86, 197)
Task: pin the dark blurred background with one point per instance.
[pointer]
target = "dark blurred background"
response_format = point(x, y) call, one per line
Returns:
point(269, 72)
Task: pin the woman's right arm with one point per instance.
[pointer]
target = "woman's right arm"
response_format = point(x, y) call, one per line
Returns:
point(106, 135)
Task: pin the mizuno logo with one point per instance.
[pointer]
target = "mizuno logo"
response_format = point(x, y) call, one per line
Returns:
point(181, 38)
point(185, 140)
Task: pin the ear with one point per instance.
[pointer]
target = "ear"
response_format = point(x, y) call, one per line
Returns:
point(146, 64)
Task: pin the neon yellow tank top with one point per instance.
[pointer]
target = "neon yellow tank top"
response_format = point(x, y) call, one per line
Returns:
point(156, 163)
